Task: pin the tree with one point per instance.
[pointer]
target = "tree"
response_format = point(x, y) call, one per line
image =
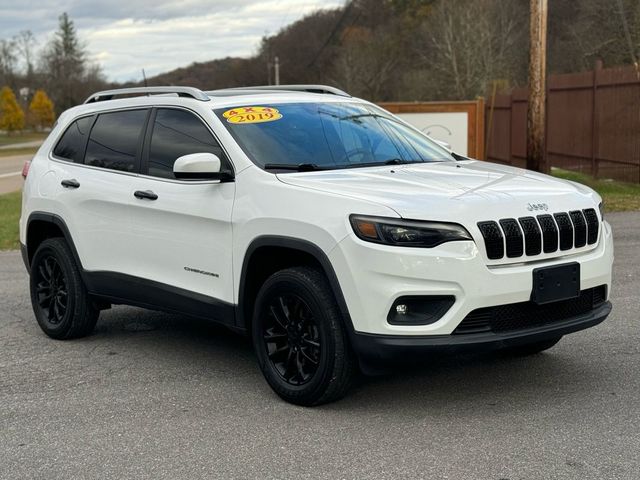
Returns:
point(469, 43)
point(41, 109)
point(25, 43)
point(11, 115)
point(7, 62)
point(66, 66)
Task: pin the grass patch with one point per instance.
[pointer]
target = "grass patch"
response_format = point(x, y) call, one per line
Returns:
point(617, 196)
point(17, 151)
point(21, 138)
point(10, 205)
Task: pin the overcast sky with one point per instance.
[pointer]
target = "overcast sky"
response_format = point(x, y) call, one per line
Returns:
point(125, 36)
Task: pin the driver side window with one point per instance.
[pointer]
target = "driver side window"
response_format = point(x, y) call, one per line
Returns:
point(177, 133)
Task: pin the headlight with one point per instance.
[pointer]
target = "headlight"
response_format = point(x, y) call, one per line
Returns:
point(601, 207)
point(406, 233)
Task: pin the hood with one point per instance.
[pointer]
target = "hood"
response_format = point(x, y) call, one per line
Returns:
point(452, 191)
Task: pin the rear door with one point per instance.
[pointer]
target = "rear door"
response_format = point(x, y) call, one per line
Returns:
point(97, 160)
point(183, 233)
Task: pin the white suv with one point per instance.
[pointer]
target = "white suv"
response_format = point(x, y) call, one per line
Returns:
point(336, 235)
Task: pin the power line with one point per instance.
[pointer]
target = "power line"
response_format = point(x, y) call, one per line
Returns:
point(345, 12)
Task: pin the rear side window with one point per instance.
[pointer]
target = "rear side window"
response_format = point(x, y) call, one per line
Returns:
point(177, 133)
point(114, 140)
point(72, 144)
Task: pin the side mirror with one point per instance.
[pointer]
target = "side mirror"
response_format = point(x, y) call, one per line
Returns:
point(443, 144)
point(200, 166)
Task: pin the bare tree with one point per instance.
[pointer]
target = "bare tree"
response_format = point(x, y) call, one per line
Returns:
point(469, 43)
point(7, 63)
point(25, 44)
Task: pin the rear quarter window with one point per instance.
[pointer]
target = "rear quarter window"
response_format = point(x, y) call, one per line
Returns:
point(73, 142)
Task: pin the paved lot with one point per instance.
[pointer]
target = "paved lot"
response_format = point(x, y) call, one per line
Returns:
point(151, 395)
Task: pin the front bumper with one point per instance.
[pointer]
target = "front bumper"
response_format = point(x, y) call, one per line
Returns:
point(380, 350)
point(373, 276)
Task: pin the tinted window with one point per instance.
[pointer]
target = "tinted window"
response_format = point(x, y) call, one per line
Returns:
point(177, 133)
point(71, 145)
point(114, 140)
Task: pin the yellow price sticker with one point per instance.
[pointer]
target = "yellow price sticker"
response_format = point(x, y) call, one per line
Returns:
point(244, 115)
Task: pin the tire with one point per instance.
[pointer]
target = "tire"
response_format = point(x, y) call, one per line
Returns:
point(59, 298)
point(300, 340)
point(530, 348)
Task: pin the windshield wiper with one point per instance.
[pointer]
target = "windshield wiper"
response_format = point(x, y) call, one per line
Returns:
point(391, 161)
point(300, 167)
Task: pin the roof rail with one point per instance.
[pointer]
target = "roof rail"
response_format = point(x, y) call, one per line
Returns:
point(298, 88)
point(190, 92)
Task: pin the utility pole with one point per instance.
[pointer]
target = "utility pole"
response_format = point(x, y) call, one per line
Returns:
point(277, 70)
point(536, 155)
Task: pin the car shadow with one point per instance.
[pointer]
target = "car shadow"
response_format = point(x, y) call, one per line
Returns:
point(436, 384)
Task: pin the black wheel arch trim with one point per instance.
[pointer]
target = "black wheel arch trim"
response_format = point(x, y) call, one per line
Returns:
point(304, 246)
point(58, 222)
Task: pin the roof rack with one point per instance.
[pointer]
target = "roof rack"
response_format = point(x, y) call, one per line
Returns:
point(298, 88)
point(189, 92)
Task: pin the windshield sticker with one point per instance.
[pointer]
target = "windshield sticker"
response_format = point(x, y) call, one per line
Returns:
point(244, 115)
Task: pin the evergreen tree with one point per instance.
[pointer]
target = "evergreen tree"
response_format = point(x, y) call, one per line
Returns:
point(65, 63)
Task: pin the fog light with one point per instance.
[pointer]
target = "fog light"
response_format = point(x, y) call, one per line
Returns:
point(401, 309)
point(419, 310)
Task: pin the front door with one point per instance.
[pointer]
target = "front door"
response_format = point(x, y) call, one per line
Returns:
point(182, 228)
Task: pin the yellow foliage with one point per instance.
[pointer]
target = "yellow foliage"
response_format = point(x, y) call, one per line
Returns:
point(11, 114)
point(41, 109)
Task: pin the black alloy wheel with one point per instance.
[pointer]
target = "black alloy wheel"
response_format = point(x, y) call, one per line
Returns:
point(300, 338)
point(291, 339)
point(62, 306)
point(51, 290)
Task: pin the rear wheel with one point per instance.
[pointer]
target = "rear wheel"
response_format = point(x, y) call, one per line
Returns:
point(59, 298)
point(530, 348)
point(300, 339)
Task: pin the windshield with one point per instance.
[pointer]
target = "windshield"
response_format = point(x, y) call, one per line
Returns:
point(310, 136)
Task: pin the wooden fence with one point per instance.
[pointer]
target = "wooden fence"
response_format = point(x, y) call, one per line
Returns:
point(593, 124)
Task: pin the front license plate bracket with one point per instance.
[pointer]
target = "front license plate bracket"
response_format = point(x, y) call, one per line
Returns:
point(557, 283)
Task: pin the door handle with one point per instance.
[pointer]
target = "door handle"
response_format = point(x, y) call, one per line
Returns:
point(145, 194)
point(70, 183)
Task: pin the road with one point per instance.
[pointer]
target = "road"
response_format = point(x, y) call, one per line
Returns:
point(153, 395)
point(10, 172)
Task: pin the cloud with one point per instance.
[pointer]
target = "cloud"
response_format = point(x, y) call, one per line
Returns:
point(158, 35)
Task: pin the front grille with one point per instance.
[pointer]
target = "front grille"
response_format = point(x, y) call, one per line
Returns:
point(493, 239)
point(593, 225)
point(579, 227)
point(566, 230)
point(523, 315)
point(532, 236)
point(549, 233)
point(544, 233)
point(513, 236)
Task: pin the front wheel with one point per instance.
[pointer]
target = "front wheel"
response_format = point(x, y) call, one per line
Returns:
point(300, 340)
